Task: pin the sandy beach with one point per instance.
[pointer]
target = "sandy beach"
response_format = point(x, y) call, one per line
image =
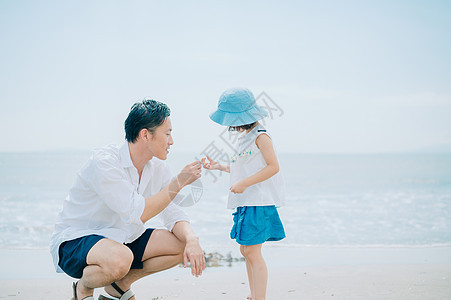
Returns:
point(295, 273)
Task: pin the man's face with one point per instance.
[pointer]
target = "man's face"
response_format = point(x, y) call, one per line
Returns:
point(161, 140)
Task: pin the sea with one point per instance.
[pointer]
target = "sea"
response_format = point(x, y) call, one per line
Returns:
point(352, 200)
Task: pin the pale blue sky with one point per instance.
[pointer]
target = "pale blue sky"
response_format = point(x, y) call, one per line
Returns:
point(351, 76)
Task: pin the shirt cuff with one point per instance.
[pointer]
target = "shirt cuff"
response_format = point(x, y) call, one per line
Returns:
point(170, 225)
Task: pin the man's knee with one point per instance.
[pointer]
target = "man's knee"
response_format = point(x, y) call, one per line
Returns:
point(180, 250)
point(179, 247)
point(119, 262)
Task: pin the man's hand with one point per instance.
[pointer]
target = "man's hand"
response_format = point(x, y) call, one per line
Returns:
point(189, 174)
point(194, 254)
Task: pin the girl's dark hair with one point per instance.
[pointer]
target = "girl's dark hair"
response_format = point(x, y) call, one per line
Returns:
point(147, 114)
point(242, 127)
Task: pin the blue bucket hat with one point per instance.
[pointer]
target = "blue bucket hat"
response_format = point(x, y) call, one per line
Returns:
point(237, 107)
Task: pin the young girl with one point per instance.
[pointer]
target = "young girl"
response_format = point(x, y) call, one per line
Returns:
point(256, 184)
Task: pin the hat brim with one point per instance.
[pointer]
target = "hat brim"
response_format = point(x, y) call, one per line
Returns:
point(238, 118)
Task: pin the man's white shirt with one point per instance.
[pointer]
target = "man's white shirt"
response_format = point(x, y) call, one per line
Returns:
point(108, 199)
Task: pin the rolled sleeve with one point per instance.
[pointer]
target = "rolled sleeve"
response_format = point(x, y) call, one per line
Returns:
point(118, 193)
point(171, 215)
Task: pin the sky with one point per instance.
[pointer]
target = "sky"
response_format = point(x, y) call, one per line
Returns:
point(345, 76)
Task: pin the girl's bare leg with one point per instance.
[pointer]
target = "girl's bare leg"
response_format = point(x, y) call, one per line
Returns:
point(259, 271)
point(249, 273)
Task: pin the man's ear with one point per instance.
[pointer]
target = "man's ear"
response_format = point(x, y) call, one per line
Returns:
point(145, 134)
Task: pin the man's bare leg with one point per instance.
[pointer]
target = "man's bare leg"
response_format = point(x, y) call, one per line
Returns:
point(163, 251)
point(107, 261)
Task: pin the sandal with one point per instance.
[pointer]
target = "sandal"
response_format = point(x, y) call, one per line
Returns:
point(74, 289)
point(124, 295)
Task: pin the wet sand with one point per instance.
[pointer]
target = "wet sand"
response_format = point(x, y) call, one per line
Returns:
point(294, 273)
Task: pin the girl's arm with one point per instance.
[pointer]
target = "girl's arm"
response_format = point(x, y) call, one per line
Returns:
point(264, 143)
point(214, 165)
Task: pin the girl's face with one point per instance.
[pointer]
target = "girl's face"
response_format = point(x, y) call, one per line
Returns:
point(161, 140)
point(243, 128)
point(237, 129)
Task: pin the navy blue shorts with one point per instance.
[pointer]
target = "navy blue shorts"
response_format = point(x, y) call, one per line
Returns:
point(73, 253)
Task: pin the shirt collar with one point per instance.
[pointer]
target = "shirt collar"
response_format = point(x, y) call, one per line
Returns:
point(124, 154)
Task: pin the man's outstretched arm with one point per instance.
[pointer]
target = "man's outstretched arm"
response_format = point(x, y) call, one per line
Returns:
point(156, 203)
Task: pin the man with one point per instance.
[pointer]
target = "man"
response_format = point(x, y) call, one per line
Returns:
point(100, 236)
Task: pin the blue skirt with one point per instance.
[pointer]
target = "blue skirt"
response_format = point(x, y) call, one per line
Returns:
point(253, 225)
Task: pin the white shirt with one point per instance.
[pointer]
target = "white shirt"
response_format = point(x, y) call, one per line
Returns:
point(107, 199)
point(247, 161)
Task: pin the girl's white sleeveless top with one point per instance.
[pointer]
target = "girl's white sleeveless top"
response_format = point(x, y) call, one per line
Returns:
point(247, 161)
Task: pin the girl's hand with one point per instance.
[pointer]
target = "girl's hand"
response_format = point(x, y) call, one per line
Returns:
point(238, 187)
point(211, 164)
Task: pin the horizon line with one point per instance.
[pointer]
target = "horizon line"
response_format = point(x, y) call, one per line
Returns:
point(184, 152)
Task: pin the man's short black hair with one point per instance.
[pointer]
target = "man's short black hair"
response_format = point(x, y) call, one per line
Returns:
point(147, 114)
